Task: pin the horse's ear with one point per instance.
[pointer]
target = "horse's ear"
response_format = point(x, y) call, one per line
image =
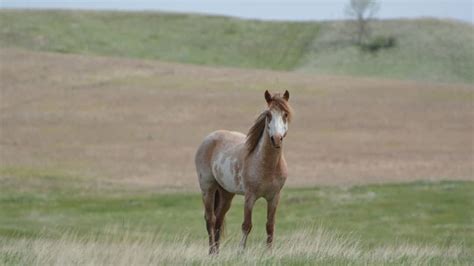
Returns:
point(286, 95)
point(268, 97)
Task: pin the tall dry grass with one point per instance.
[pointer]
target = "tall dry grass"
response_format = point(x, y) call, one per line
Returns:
point(302, 247)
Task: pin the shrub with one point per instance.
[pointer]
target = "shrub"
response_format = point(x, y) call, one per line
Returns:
point(377, 43)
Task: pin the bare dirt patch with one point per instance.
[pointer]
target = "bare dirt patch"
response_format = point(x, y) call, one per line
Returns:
point(139, 122)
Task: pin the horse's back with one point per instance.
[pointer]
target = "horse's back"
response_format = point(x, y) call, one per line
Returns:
point(213, 146)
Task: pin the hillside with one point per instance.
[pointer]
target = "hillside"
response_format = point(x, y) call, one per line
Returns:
point(140, 121)
point(427, 49)
point(170, 37)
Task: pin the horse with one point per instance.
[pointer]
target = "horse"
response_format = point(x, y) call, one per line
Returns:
point(252, 165)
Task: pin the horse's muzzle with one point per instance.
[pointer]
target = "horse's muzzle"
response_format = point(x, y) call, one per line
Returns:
point(276, 140)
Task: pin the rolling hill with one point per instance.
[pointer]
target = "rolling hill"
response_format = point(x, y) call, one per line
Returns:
point(98, 135)
point(427, 49)
point(140, 121)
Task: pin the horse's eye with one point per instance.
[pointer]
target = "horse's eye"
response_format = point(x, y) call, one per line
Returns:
point(285, 115)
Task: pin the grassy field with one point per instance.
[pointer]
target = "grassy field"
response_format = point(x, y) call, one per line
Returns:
point(97, 143)
point(182, 38)
point(48, 218)
point(135, 121)
point(427, 49)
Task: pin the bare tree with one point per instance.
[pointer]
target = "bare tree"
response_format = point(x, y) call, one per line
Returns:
point(362, 11)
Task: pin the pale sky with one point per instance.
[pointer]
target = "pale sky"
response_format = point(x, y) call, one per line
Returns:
point(267, 9)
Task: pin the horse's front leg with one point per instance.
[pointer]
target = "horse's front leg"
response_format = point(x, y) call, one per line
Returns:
point(247, 224)
point(272, 204)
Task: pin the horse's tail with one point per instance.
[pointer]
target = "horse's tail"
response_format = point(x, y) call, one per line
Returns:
point(217, 201)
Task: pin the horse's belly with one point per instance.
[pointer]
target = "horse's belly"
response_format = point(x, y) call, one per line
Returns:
point(227, 182)
point(228, 174)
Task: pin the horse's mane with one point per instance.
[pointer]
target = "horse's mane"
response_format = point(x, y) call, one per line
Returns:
point(257, 129)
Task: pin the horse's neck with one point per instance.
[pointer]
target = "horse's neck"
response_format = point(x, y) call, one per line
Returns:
point(268, 156)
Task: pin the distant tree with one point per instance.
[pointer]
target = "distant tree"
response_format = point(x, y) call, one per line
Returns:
point(362, 11)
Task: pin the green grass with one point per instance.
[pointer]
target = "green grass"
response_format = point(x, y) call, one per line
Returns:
point(182, 38)
point(366, 218)
point(427, 49)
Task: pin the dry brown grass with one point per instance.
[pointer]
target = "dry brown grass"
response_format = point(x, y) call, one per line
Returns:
point(300, 248)
point(139, 122)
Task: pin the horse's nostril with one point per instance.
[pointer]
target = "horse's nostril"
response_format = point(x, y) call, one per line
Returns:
point(281, 138)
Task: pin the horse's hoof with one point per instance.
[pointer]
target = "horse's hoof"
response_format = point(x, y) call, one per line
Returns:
point(213, 252)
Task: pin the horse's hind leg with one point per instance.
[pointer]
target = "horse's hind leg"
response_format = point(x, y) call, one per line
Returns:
point(223, 205)
point(208, 198)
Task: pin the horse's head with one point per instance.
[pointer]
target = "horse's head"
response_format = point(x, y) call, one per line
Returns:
point(278, 117)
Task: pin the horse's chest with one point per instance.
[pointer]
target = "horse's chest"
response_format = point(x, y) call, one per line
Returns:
point(267, 186)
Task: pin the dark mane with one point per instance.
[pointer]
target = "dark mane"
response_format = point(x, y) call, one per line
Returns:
point(256, 132)
point(257, 129)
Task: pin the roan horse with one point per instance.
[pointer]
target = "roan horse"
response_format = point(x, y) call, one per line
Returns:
point(230, 163)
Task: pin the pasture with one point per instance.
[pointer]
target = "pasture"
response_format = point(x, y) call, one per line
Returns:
point(426, 50)
point(140, 122)
point(97, 164)
point(97, 140)
point(47, 218)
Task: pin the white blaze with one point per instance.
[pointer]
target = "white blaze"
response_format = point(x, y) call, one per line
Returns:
point(277, 125)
